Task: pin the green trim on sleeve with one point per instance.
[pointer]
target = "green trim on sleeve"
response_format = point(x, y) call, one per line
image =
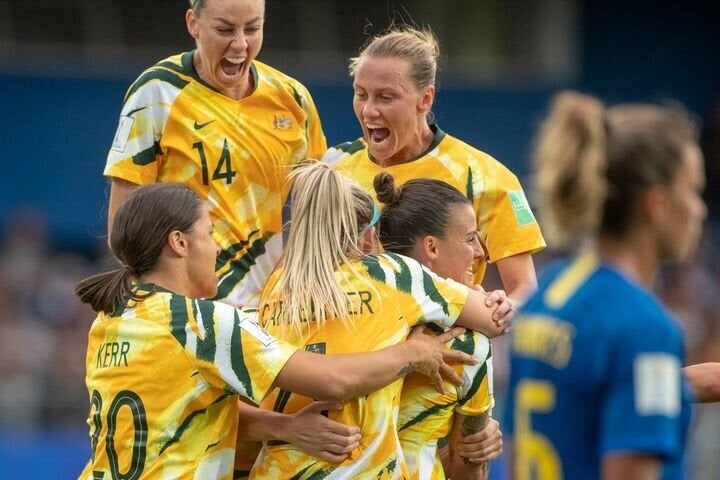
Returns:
point(147, 156)
point(237, 358)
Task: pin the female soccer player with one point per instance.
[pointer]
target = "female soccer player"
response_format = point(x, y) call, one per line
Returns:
point(394, 85)
point(229, 127)
point(164, 368)
point(435, 224)
point(596, 389)
point(330, 297)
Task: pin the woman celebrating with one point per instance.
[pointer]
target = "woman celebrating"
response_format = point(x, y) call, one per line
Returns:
point(434, 223)
point(229, 127)
point(394, 85)
point(330, 297)
point(596, 389)
point(164, 368)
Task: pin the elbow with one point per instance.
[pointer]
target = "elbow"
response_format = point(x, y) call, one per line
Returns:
point(342, 390)
point(336, 388)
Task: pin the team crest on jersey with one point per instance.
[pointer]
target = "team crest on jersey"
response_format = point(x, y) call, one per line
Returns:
point(282, 123)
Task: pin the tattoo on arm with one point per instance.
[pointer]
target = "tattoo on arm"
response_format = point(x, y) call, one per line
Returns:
point(409, 368)
point(473, 424)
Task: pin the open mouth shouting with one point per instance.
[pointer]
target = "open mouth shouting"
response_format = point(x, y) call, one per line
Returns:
point(377, 134)
point(232, 66)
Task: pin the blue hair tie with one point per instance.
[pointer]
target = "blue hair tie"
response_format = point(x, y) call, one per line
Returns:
point(375, 217)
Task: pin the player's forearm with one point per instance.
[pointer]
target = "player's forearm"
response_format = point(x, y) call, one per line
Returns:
point(476, 315)
point(461, 467)
point(705, 381)
point(257, 424)
point(351, 375)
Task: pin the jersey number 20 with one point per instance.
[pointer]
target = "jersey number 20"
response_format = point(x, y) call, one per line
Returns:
point(130, 399)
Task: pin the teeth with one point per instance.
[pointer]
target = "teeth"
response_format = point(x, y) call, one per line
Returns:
point(373, 126)
point(235, 60)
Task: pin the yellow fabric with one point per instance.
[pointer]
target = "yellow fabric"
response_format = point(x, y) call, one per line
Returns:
point(426, 415)
point(164, 378)
point(505, 222)
point(235, 153)
point(389, 295)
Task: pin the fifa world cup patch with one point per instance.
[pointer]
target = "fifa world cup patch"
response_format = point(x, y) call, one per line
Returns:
point(254, 329)
point(656, 384)
point(521, 208)
point(122, 135)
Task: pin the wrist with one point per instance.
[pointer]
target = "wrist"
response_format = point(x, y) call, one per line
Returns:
point(410, 355)
point(276, 424)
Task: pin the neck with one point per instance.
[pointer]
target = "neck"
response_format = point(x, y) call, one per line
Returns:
point(175, 281)
point(421, 142)
point(634, 254)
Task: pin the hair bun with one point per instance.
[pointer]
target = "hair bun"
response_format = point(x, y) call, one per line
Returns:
point(384, 184)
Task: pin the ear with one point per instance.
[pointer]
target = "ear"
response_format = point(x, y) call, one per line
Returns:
point(429, 248)
point(427, 99)
point(178, 243)
point(655, 202)
point(191, 23)
point(368, 241)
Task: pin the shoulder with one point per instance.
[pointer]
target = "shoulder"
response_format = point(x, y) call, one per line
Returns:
point(341, 151)
point(476, 159)
point(171, 74)
point(280, 81)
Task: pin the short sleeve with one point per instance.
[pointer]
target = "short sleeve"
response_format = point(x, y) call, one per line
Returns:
point(135, 151)
point(231, 350)
point(433, 299)
point(505, 216)
point(317, 145)
point(642, 411)
point(475, 395)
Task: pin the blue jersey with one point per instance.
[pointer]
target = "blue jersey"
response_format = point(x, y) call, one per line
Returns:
point(595, 370)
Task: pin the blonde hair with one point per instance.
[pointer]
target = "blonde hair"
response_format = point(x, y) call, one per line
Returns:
point(328, 213)
point(593, 163)
point(419, 47)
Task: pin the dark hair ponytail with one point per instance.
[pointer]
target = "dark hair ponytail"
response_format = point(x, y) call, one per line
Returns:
point(420, 207)
point(384, 184)
point(139, 234)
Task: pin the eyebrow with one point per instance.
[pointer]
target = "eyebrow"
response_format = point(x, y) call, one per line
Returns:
point(228, 22)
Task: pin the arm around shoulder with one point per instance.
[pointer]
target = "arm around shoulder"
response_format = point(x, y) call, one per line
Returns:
point(344, 376)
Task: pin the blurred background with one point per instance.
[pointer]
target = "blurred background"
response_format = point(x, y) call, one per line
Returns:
point(65, 66)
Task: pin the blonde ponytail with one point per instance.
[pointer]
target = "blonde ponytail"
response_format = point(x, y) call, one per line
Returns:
point(328, 214)
point(570, 164)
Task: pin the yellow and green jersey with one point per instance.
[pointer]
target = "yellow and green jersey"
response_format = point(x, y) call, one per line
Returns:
point(387, 296)
point(237, 154)
point(426, 415)
point(164, 377)
point(505, 221)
